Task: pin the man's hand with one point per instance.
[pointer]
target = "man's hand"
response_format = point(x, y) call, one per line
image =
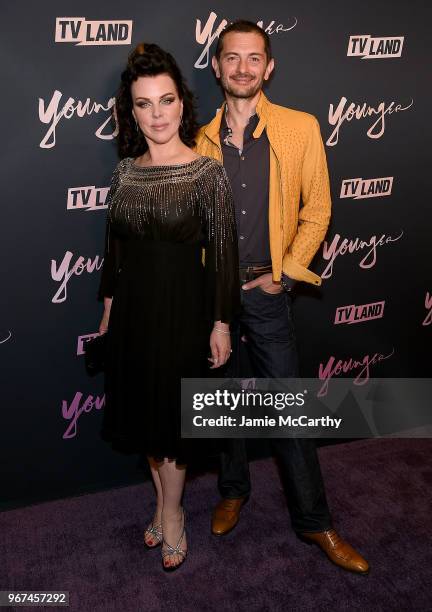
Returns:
point(265, 281)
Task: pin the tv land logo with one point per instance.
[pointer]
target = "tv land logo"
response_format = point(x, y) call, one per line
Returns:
point(63, 272)
point(80, 31)
point(357, 314)
point(360, 189)
point(87, 198)
point(55, 110)
point(339, 367)
point(73, 411)
point(82, 340)
point(338, 247)
point(341, 113)
point(428, 306)
point(5, 336)
point(207, 35)
point(380, 47)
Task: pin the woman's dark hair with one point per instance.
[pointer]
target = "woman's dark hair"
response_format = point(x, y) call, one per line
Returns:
point(150, 60)
point(242, 25)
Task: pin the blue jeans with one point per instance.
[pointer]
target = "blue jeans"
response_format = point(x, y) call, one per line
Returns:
point(270, 348)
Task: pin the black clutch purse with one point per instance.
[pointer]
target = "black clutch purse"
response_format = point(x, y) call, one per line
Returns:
point(95, 354)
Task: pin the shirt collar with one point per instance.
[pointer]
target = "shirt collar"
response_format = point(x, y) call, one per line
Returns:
point(212, 129)
point(248, 131)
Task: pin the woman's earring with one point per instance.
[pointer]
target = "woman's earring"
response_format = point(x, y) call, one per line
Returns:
point(136, 125)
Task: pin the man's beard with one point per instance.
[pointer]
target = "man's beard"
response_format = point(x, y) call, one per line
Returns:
point(241, 91)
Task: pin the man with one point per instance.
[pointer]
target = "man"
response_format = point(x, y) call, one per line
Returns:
point(273, 156)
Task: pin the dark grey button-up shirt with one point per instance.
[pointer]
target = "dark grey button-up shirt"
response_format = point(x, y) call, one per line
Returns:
point(249, 174)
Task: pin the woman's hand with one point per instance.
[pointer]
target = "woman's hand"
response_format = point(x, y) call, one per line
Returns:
point(220, 345)
point(103, 327)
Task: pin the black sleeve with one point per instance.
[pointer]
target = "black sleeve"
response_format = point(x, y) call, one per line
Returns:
point(221, 250)
point(112, 253)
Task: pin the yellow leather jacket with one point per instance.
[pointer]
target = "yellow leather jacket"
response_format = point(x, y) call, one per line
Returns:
point(298, 170)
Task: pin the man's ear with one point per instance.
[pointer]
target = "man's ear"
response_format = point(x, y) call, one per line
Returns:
point(269, 69)
point(215, 65)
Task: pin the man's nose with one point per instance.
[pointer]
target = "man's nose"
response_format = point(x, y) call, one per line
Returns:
point(243, 66)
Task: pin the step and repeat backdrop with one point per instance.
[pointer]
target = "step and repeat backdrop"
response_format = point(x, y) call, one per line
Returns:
point(360, 68)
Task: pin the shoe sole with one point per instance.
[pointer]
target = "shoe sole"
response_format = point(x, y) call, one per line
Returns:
point(221, 534)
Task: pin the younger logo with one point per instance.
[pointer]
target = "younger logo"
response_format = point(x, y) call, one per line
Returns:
point(56, 110)
point(337, 116)
point(381, 47)
point(428, 306)
point(350, 366)
point(359, 188)
point(337, 247)
point(5, 336)
point(82, 341)
point(89, 198)
point(81, 32)
point(357, 314)
point(207, 34)
point(72, 411)
point(62, 272)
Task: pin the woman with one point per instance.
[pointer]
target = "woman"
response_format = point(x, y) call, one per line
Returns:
point(164, 310)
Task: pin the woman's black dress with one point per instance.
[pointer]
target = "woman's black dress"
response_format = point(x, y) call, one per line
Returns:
point(165, 299)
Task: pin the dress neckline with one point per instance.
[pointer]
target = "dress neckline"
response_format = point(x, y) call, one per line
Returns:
point(166, 166)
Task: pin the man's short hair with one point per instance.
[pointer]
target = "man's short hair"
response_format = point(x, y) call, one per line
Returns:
point(242, 25)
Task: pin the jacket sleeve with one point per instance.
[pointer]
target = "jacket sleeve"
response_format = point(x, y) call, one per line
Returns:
point(112, 252)
point(314, 215)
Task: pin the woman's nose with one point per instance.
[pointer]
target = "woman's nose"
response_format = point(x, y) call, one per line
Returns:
point(157, 111)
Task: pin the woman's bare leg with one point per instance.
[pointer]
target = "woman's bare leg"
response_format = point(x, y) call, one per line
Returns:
point(172, 477)
point(157, 519)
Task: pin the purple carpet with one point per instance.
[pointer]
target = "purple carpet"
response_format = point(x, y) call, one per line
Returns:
point(380, 495)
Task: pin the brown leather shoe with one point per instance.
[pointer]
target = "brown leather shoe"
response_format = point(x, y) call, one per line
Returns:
point(338, 551)
point(226, 515)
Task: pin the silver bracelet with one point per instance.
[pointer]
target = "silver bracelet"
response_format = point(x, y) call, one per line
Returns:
point(221, 331)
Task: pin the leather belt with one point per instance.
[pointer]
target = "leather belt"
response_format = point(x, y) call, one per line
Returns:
point(252, 272)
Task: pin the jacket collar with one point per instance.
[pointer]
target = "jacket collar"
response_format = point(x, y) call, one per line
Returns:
point(262, 109)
